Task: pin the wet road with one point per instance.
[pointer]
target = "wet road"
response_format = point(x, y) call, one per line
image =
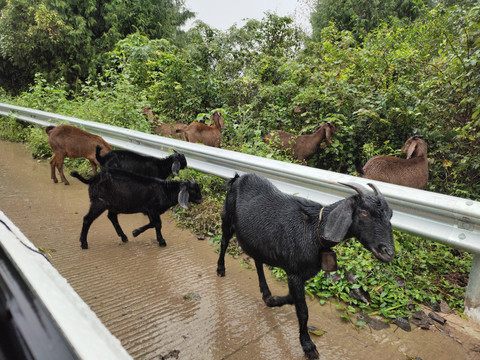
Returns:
point(169, 303)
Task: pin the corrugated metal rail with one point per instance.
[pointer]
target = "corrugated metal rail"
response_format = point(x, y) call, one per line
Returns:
point(450, 220)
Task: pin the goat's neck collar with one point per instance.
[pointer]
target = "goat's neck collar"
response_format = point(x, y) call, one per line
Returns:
point(324, 243)
point(320, 216)
point(321, 239)
point(327, 255)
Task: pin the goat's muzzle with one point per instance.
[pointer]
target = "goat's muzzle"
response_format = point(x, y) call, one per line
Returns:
point(383, 253)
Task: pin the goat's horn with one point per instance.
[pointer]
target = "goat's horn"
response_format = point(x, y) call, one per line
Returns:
point(362, 190)
point(375, 189)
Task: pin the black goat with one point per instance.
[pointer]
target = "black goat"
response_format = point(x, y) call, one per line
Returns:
point(142, 165)
point(121, 192)
point(293, 233)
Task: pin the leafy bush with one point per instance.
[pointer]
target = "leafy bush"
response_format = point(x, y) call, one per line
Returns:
point(38, 143)
point(12, 129)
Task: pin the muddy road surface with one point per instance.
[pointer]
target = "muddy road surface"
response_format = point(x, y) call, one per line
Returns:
point(168, 303)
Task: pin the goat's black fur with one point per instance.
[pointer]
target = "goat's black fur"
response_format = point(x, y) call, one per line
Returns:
point(142, 165)
point(281, 230)
point(121, 192)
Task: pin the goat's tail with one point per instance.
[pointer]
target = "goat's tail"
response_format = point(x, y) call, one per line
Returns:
point(81, 178)
point(49, 128)
point(230, 182)
point(230, 203)
point(99, 157)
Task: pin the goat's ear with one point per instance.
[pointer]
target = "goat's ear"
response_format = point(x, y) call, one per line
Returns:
point(175, 167)
point(338, 222)
point(411, 149)
point(222, 122)
point(183, 196)
point(328, 134)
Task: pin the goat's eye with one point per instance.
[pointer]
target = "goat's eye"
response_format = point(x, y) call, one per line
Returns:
point(365, 214)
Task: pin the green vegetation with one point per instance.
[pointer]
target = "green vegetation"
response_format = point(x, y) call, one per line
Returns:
point(69, 38)
point(405, 73)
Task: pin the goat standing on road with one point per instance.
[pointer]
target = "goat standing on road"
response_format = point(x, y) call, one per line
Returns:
point(70, 141)
point(293, 233)
point(412, 171)
point(121, 192)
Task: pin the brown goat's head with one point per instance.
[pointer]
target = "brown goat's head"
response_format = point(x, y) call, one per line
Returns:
point(146, 110)
point(330, 130)
point(217, 120)
point(415, 146)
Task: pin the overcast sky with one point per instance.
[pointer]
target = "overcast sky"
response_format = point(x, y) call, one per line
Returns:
point(222, 14)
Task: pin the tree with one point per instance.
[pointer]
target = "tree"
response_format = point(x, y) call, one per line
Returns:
point(68, 37)
point(362, 16)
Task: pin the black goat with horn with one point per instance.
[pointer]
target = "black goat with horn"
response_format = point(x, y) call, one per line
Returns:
point(288, 232)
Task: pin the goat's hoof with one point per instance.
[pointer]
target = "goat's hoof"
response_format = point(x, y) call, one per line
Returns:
point(84, 246)
point(312, 355)
point(162, 244)
point(221, 272)
point(310, 351)
point(124, 239)
point(270, 301)
point(135, 233)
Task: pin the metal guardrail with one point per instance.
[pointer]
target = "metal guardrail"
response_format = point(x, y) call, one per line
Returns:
point(449, 220)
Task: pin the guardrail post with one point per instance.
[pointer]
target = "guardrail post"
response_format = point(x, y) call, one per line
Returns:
point(472, 295)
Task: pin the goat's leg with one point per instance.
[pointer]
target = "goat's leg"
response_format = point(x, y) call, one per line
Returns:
point(296, 285)
point(141, 229)
point(266, 294)
point(95, 211)
point(93, 164)
point(270, 301)
point(227, 233)
point(59, 163)
point(113, 217)
point(53, 165)
point(157, 223)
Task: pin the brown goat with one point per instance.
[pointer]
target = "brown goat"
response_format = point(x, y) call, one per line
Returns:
point(70, 141)
point(208, 135)
point(163, 129)
point(412, 171)
point(170, 130)
point(302, 146)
